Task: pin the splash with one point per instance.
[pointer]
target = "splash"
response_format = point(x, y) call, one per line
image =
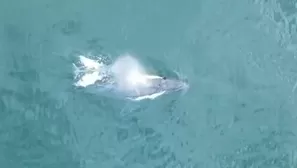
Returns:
point(126, 71)
point(129, 73)
point(88, 71)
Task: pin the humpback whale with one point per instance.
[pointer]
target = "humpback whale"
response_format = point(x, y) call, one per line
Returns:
point(125, 79)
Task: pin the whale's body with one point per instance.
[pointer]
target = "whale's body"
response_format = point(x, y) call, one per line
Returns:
point(156, 87)
point(122, 81)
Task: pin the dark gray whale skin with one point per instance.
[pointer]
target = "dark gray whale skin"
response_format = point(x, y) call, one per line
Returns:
point(159, 85)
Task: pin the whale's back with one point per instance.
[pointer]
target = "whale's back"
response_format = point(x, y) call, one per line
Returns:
point(156, 88)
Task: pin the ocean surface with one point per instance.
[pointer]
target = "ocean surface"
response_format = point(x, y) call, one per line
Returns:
point(239, 57)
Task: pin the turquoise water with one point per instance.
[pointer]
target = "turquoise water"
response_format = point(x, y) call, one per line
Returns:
point(238, 56)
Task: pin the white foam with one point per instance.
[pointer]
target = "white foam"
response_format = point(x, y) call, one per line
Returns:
point(128, 72)
point(89, 71)
point(88, 63)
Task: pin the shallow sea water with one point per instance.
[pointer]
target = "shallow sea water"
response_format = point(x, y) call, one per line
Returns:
point(238, 56)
